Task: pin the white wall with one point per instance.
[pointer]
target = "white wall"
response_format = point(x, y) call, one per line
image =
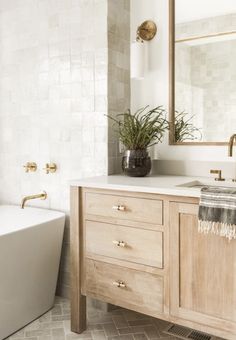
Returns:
point(53, 94)
point(189, 10)
point(153, 90)
point(53, 100)
point(54, 83)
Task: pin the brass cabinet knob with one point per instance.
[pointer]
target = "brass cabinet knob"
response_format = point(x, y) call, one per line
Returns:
point(119, 243)
point(50, 168)
point(118, 207)
point(30, 167)
point(119, 284)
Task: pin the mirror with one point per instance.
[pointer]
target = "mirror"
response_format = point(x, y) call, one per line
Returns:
point(202, 71)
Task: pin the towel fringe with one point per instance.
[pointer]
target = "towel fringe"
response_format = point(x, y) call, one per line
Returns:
point(217, 228)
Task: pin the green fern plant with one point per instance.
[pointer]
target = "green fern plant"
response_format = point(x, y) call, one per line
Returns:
point(184, 128)
point(141, 129)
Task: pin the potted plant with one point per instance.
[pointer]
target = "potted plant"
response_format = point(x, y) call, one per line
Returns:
point(137, 132)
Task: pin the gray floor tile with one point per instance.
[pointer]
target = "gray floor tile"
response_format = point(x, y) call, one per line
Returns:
point(141, 322)
point(122, 337)
point(110, 329)
point(151, 332)
point(132, 330)
point(120, 321)
point(98, 335)
point(95, 327)
point(119, 324)
point(140, 336)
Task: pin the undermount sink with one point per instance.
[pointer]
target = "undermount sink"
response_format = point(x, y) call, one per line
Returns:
point(201, 184)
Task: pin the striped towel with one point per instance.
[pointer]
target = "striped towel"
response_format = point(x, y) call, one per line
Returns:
point(217, 211)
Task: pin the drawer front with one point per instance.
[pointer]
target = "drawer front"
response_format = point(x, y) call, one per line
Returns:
point(125, 243)
point(124, 287)
point(127, 208)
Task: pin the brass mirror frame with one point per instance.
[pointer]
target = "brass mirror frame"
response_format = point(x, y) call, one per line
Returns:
point(172, 83)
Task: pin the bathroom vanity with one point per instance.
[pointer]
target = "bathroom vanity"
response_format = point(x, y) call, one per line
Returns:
point(135, 244)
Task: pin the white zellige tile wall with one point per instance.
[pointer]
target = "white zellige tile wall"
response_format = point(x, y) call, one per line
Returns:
point(206, 77)
point(53, 98)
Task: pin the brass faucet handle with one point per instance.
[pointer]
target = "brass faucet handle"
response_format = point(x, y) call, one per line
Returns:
point(219, 173)
point(50, 168)
point(30, 167)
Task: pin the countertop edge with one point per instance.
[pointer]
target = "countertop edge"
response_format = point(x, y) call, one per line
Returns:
point(168, 191)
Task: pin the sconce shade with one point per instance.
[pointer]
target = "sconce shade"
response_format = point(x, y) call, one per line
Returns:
point(137, 60)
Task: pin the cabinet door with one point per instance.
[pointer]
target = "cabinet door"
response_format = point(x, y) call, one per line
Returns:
point(202, 272)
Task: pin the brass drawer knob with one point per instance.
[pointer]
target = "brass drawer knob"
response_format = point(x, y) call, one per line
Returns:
point(118, 207)
point(119, 284)
point(119, 243)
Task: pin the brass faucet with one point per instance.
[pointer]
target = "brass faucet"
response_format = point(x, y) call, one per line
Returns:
point(219, 173)
point(231, 144)
point(42, 196)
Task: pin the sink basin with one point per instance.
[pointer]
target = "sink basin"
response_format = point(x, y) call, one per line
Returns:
point(201, 184)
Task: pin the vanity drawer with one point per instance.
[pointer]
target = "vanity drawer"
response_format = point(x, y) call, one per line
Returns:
point(125, 243)
point(126, 208)
point(124, 287)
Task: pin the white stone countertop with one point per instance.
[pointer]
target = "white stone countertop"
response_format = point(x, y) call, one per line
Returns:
point(155, 184)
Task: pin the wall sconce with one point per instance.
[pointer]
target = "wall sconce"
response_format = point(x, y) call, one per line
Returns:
point(145, 32)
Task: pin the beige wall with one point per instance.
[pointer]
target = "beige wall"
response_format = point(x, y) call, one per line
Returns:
point(119, 72)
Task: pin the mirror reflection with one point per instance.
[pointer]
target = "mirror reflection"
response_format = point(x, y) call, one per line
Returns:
point(205, 70)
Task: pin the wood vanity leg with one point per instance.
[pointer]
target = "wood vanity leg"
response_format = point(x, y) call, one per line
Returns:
point(78, 301)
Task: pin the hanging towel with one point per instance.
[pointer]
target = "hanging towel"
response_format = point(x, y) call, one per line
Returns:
point(217, 211)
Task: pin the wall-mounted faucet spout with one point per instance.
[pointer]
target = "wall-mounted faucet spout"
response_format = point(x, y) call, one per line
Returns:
point(231, 144)
point(42, 196)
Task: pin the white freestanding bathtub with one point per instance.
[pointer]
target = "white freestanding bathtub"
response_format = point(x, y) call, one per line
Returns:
point(30, 248)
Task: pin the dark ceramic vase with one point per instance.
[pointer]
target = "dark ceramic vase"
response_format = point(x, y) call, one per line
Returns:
point(136, 163)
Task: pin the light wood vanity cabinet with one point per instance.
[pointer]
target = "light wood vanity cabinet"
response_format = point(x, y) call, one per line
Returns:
point(202, 273)
point(103, 281)
point(142, 210)
point(143, 252)
point(124, 243)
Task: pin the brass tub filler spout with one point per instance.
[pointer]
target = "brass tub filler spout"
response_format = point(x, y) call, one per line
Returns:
point(42, 196)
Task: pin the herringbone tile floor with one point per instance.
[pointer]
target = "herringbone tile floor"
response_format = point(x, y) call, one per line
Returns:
point(120, 324)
